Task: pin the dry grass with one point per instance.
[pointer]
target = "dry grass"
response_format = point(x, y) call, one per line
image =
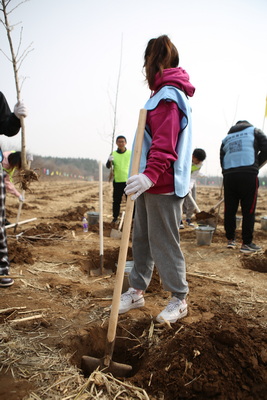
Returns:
point(54, 377)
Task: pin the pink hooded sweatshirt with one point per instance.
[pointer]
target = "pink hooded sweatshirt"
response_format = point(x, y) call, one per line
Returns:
point(164, 125)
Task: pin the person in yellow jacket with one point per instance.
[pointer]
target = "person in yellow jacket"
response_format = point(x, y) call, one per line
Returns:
point(120, 160)
point(11, 162)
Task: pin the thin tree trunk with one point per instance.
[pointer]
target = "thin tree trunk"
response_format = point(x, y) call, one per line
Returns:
point(15, 70)
point(115, 112)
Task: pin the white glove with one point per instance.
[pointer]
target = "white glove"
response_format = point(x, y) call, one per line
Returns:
point(137, 184)
point(21, 198)
point(20, 110)
point(111, 158)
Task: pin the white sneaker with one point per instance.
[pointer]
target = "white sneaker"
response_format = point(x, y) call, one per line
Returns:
point(130, 300)
point(176, 309)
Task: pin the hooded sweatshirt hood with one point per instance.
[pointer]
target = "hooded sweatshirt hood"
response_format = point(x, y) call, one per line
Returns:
point(177, 77)
point(239, 126)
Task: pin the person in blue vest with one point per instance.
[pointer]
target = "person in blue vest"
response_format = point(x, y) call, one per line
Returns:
point(120, 161)
point(242, 152)
point(9, 126)
point(162, 183)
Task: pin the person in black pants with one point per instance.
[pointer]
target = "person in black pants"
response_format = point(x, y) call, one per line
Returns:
point(9, 126)
point(242, 152)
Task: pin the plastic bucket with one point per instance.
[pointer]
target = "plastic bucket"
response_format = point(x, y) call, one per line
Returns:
point(238, 221)
point(93, 217)
point(264, 223)
point(204, 235)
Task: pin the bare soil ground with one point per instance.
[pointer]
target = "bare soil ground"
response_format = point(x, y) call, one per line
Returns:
point(56, 312)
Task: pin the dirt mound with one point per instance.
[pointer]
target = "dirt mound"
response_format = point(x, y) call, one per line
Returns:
point(19, 253)
point(255, 262)
point(222, 358)
point(45, 234)
point(75, 214)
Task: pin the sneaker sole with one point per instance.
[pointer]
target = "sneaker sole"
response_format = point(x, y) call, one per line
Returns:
point(231, 247)
point(6, 284)
point(249, 251)
point(137, 304)
point(172, 321)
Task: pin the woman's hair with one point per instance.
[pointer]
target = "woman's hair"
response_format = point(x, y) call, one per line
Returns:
point(160, 54)
point(14, 159)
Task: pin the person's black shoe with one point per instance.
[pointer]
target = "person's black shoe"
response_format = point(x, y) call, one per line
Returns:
point(6, 282)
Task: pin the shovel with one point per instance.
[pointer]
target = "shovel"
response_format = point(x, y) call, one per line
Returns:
point(116, 234)
point(89, 364)
point(202, 217)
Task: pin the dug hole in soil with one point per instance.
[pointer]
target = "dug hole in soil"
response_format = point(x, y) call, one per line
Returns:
point(58, 310)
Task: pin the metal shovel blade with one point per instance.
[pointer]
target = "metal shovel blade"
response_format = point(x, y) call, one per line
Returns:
point(90, 364)
point(116, 233)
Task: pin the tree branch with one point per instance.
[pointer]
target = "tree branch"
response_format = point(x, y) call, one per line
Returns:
point(17, 61)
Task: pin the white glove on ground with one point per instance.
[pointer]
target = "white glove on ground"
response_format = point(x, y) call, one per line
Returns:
point(21, 198)
point(111, 158)
point(137, 184)
point(20, 110)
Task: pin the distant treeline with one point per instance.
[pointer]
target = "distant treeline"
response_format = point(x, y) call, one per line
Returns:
point(217, 181)
point(76, 168)
point(88, 169)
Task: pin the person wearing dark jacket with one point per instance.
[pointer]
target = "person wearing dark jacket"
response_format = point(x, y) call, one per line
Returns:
point(9, 126)
point(242, 152)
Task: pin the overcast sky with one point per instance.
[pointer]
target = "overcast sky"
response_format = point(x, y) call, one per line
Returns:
point(72, 72)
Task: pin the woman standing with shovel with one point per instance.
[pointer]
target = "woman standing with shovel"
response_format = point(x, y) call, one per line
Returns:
point(163, 182)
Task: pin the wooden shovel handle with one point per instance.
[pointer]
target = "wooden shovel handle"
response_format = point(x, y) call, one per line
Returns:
point(193, 202)
point(124, 242)
point(121, 221)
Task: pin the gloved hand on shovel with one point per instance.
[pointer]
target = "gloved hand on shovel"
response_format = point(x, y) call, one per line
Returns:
point(20, 110)
point(137, 184)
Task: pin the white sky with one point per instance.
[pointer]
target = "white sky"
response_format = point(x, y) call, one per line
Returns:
point(72, 71)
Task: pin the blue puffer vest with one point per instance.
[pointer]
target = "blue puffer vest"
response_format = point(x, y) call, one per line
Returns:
point(239, 149)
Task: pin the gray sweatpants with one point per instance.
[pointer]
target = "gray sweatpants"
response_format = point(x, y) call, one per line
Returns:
point(156, 242)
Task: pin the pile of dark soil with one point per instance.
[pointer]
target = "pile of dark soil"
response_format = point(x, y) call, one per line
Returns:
point(19, 253)
point(255, 262)
point(220, 359)
point(75, 214)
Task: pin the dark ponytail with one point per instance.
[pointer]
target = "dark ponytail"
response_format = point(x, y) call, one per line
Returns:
point(160, 54)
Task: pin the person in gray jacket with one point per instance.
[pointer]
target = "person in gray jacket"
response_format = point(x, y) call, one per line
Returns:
point(242, 152)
